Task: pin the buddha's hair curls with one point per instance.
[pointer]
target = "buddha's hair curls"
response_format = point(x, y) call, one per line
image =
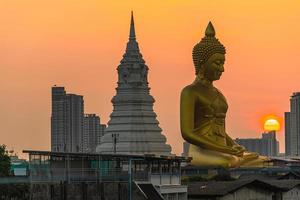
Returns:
point(208, 46)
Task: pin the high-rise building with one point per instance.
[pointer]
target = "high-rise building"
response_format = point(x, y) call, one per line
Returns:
point(185, 150)
point(58, 119)
point(102, 132)
point(292, 126)
point(272, 143)
point(133, 127)
point(266, 146)
point(66, 121)
point(287, 122)
point(92, 132)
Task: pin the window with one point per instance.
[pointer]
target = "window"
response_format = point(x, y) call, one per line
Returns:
point(155, 167)
point(165, 167)
point(175, 167)
point(172, 196)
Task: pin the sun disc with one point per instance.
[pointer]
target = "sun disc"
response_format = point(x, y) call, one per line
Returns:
point(271, 125)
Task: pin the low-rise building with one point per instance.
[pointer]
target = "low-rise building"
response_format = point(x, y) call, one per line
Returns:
point(19, 167)
point(250, 189)
point(121, 174)
point(231, 190)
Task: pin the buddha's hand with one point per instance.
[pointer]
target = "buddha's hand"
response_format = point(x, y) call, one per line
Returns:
point(239, 147)
point(250, 155)
point(238, 150)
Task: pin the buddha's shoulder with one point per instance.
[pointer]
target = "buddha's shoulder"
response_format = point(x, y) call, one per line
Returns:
point(190, 89)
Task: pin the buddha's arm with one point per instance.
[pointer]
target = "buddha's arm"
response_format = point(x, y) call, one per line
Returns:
point(191, 134)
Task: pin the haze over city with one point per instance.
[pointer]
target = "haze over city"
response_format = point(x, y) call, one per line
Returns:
point(79, 44)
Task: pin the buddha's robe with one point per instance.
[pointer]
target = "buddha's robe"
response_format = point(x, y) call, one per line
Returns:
point(203, 112)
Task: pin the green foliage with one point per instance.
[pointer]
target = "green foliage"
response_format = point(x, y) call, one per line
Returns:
point(4, 161)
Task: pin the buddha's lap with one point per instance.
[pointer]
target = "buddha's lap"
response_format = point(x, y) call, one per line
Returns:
point(209, 157)
point(205, 157)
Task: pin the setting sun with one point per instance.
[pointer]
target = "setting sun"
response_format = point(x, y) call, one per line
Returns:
point(271, 125)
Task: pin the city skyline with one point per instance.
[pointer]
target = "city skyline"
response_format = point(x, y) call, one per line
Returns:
point(79, 46)
point(73, 130)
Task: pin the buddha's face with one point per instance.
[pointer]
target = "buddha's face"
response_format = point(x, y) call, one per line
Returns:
point(214, 67)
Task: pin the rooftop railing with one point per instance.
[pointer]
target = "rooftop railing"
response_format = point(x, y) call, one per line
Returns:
point(82, 174)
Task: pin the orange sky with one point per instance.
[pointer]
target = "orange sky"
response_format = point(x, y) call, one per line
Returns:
point(78, 44)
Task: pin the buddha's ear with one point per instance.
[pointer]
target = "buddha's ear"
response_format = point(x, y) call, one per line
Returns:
point(201, 67)
point(200, 64)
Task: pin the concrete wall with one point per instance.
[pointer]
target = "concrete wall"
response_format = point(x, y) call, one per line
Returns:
point(84, 191)
point(165, 179)
point(173, 192)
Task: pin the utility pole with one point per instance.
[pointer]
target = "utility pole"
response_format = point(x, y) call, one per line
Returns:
point(131, 177)
point(115, 137)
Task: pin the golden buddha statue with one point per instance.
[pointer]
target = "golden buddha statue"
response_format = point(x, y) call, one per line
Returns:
point(203, 110)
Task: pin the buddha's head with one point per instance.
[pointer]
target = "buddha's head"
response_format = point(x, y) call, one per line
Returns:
point(209, 56)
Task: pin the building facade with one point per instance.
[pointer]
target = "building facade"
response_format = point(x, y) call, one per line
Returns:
point(272, 143)
point(92, 132)
point(66, 121)
point(287, 132)
point(133, 120)
point(266, 146)
point(185, 149)
point(105, 176)
point(58, 119)
point(292, 126)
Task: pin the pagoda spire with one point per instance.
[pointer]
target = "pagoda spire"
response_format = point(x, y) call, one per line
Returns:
point(132, 52)
point(132, 29)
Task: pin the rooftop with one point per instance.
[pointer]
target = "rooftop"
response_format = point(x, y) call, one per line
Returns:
point(221, 188)
point(96, 155)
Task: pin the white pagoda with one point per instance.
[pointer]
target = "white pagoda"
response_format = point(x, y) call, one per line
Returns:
point(133, 127)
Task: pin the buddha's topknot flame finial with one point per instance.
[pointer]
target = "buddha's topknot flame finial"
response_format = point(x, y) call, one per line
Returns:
point(210, 30)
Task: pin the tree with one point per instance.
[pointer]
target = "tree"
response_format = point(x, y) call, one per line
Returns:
point(4, 161)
